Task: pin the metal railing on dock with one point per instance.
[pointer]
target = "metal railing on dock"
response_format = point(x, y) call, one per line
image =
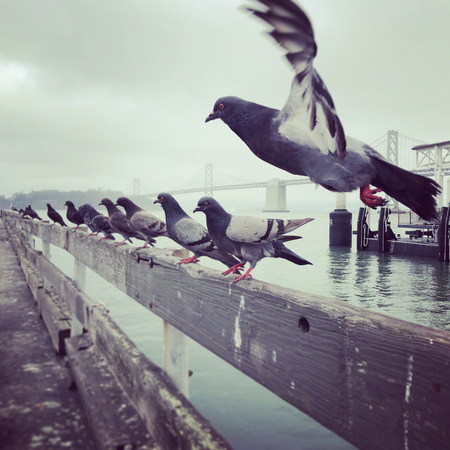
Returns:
point(376, 381)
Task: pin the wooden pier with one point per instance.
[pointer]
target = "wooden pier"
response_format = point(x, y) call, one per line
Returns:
point(376, 381)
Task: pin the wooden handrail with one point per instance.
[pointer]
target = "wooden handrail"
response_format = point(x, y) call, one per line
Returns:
point(376, 381)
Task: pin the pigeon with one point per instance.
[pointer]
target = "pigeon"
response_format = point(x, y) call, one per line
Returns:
point(119, 222)
point(190, 234)
point(30, 212)
point(142, 221)
point(306, 136)
point(249, 238)
point(55, 216)
point(96, 221)
point(73, 215)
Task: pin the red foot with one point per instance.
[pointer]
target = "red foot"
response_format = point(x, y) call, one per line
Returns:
point(192, 259)
point(234, 269)
point(245, 276)
point(366, 194)
point(121, 243)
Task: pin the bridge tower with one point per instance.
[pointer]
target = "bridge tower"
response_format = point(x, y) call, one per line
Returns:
point(276, 196)
point(392, 154)
point(208, 180)
point(136, 186)
point(392, 147)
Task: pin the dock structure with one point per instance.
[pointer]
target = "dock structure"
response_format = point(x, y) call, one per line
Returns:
point(429, 239)
point(376, 381)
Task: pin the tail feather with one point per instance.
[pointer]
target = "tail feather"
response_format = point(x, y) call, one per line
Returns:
point(225, 258)
point(293, 224)
point(281, 251)
point(414, 191)
point(289, 237)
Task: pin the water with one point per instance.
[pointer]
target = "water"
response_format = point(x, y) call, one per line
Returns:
point(245, 413)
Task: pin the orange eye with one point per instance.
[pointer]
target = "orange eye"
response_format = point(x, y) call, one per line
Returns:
point(221, 106)
point(205, 203)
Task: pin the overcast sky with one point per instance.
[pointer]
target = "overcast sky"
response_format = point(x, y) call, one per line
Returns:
point(97, 93)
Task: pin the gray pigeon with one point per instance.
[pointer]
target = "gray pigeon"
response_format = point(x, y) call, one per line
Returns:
point(306, 137)
point(96, 221)
point(142, 221)
point(249, 238)
point(119, 222)
point(190, 234)
point(30, 212)
point(55, 216)
point(73, 215)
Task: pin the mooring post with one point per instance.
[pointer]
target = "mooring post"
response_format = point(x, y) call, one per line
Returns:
point(340, 223)
point(79, 278)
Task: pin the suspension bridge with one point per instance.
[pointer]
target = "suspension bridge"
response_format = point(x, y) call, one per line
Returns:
point(432, 160)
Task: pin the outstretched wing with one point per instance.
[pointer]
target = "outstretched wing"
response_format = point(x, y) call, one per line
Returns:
point(309, 112)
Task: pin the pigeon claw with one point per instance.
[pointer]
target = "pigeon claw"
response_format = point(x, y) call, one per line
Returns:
point(246, 275)
point(234, 269)
point(368, 197)
point(192, 259)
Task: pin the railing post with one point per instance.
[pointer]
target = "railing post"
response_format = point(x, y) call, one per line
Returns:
point(46, 249)
point(79, 278)
point(176, 357)
point(175, 349)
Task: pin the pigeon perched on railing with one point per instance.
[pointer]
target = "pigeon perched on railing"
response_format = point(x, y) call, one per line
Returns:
point(73, 215)
point(30, 212)
point(142, 221)
point(249, 238)
point(119, 222)
point(190, 234)
point(306, 136)
point(96, 221)
point(55, 216)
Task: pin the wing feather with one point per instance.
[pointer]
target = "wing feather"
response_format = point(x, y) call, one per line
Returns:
point(309, 105)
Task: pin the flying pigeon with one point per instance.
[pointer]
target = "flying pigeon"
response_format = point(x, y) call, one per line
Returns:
point(306, 136)
point(190, 234)
point(249, 238)
point(119, 222)
point(142, 221)
point(30, 212)
point(73, 215)
point(96, 221)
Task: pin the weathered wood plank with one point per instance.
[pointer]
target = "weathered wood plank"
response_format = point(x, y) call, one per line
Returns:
point(172, 420)
point(376, 381)
point(112, 418)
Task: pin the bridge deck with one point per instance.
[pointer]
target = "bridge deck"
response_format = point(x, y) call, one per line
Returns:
point(37, 409)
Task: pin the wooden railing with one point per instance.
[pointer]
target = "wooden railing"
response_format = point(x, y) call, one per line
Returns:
point(376, 381)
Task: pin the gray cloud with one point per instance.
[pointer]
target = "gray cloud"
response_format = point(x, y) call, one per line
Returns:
point(95, 94)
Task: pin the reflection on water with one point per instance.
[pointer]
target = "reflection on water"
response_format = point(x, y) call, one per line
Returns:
point(414, 289)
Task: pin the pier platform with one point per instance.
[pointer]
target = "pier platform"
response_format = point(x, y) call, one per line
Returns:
point(37, 407)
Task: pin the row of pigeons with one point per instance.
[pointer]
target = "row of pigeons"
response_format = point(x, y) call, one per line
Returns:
point(233, 240)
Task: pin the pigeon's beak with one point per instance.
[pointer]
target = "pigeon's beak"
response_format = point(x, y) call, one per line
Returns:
point(157, 201)
point(212, 116)
point(199, 208)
